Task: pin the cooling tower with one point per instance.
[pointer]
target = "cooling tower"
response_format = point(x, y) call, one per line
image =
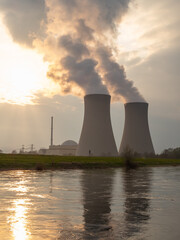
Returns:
point(97, 136)
point(136, 135)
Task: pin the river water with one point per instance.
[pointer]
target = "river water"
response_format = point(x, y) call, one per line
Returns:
point(90, 204)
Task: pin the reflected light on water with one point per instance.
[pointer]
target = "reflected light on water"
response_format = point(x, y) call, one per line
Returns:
point(18, 221)
point(20, 189)
point(131, 204)
point(19, 210)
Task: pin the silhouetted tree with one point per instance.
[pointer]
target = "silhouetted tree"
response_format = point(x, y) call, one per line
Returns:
point(170, 153)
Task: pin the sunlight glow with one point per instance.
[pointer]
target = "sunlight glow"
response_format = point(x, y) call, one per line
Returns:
point(19, 220)
point(19, 212)
point(23, 72)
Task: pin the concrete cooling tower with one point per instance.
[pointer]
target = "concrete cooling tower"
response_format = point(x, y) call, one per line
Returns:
point(97, 137)
point(136, 135)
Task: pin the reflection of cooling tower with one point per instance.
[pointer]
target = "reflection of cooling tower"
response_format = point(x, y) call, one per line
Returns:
point(137, 185)
point(97, 136)
point(136, 135)
point(97, 203)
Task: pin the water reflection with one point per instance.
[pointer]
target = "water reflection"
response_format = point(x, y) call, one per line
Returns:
point(136, 184)
point(18, 212)
point(90, 204)
point(18, 220)
point(97, 194)
point(51, 182)
point(102, 203)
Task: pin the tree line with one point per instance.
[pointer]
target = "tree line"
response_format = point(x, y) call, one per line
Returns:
point(170, 153)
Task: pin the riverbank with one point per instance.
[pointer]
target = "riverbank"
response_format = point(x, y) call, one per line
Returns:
point(42, 162)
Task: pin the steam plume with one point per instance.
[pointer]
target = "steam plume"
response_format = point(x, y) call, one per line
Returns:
point(115, 77)
point(77, 42)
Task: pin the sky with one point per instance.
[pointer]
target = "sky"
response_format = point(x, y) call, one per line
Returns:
point(53, 52)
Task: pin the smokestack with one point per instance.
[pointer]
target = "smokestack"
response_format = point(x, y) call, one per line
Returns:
point(136, 135)
point(51, 131)
point(97, 137)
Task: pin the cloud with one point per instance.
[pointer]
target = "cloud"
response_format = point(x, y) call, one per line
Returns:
point(24, 19)
point(147, 29)
point(70, 41)
point(159, 76)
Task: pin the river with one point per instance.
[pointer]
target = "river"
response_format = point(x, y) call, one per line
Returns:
point(90, 204)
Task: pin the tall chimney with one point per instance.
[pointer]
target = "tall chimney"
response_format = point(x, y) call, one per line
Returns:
point(51, 131)
point(136, 135)
point(97, 137)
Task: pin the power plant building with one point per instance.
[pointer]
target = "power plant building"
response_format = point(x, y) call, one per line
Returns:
point(67, 148)
point(97, 137)
point(136, 135)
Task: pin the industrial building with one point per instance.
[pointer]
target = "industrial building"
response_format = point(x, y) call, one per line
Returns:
point(97, 137)
point(136, 135)
point(67, 148)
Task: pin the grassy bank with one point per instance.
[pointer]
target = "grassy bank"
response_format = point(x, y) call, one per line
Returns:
point(39, 162)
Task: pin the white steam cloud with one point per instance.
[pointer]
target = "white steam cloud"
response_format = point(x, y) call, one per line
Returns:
point(75, 36)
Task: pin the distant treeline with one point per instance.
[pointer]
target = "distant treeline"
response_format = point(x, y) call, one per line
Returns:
point(170, 153)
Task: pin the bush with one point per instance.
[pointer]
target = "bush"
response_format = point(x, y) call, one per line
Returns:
point(128, 156)
point(173, 153)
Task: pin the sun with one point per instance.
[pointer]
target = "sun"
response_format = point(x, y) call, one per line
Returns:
point(26, 76)
point(23, 71)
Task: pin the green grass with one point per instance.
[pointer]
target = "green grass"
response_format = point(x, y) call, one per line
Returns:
point(41, 162)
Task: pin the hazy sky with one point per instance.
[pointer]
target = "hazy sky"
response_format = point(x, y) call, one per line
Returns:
point(53, 52)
